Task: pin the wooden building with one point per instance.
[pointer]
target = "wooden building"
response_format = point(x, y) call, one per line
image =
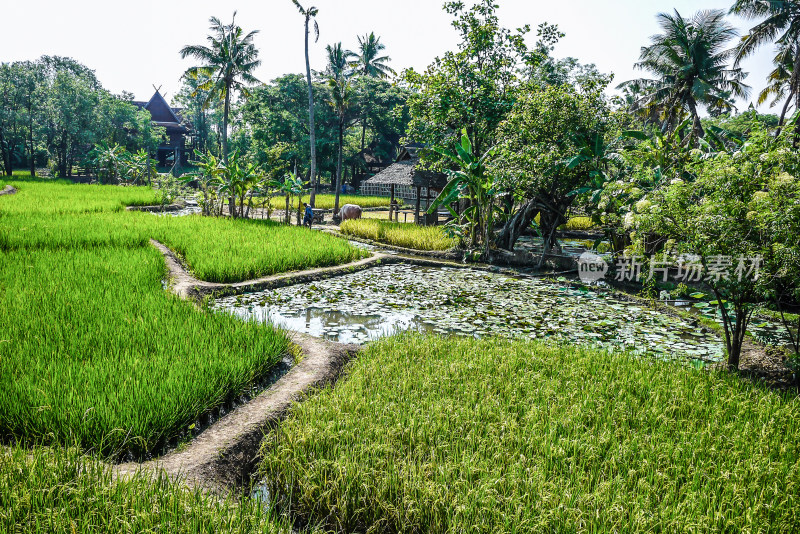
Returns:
point(178, 141)
point(406, 172)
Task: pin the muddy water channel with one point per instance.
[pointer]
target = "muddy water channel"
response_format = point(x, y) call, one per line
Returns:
point(363, 306)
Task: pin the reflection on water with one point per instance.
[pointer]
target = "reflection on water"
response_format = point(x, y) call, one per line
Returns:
point(363, 306)
point(336, 325)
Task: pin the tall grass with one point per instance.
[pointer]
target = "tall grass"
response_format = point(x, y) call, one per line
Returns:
point(93, 350)
point(59, 491)
point(579, 223)
point(435, 434)
point(405, 235)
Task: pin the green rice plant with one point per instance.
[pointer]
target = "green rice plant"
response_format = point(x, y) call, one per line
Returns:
point(40, 230)
point(62, 197)
point(231, 250)
point(579, 223)
point(431, 434)
point(405, 235)
point(94, 351)
point(60, 491)
point(366, 228)
point(326, 202)
point(57, 215)
point(575, 224)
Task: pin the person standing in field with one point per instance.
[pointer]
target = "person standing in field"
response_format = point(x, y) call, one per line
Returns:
point(309, 216)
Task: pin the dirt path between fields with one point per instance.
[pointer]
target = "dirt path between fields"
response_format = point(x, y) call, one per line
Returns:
point(187, 286)
point(225, 455)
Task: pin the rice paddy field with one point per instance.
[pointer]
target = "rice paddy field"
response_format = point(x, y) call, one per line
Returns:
point(424, 433)
point(404, 235)
point(55, 215)
point(433, 434)
point(93, 351)
point(61, 491)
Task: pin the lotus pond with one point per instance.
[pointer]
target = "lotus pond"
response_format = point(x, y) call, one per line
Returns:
point(364, 306)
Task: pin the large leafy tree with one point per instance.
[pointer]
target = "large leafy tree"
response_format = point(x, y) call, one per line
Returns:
point(738, 214)
point(204, 113)
point(473, 87)
point(690, 61)
point(780, 25)
point(310, 14)
point(545, 156)
point(229, 61)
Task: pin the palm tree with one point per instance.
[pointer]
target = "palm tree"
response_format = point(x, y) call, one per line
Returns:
point(783, 83)
point(229, 61)
point(309, 14)
point(370, 63)
point(338, 72)
point(690, 61)
point(781, 25)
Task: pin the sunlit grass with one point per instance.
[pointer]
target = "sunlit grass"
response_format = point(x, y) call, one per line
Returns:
point(93, 350)
point(579, 223)
point(62, 197)
point(60, 491)
point(228, 250)
point(435, 434)
point(405, 235)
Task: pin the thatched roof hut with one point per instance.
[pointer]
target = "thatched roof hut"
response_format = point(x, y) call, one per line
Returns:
point(406, 172)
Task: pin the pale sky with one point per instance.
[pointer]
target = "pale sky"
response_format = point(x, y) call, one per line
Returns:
point(134, 45)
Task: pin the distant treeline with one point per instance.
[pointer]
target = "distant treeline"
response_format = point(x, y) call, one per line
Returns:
point(54, 110)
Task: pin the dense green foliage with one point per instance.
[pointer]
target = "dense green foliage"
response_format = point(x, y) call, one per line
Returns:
point(54, 110)
point(59, 491)
point(458, 435)
point(405, 235)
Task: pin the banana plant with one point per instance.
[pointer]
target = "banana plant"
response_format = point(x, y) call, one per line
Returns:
point(107, 160)
point(472, 180)
point(289, 187)
point(208, 177)
point(138, 168)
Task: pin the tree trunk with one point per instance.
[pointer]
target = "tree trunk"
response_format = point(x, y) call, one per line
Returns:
point(225, 111)
point(416, 209)
point(339, 169)
point(311, 130)
point(4, 158)
point(513, 229)
point(30, 142)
